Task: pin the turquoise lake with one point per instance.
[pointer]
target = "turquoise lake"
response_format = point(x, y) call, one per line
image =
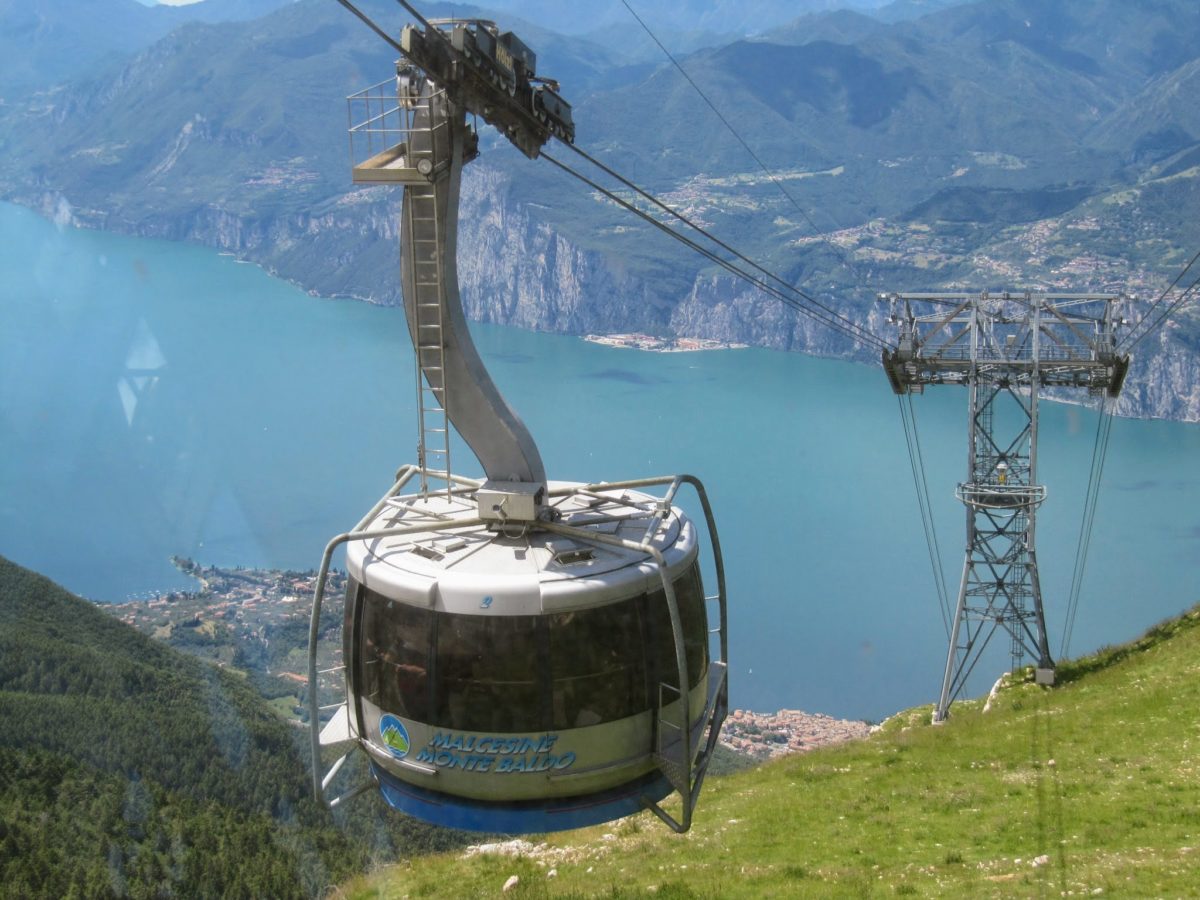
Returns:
point(160, 399)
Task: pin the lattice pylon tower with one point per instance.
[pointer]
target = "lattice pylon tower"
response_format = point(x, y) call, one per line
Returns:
point(1000, 586)
point(1004, 348)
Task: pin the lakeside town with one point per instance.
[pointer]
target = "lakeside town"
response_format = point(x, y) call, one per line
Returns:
point(252, 620)
point(259, 618)
point(652, 344)
point(768, 735)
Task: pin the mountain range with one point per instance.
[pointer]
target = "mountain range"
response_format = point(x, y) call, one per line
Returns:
point(45, 41)
point(1001, 143)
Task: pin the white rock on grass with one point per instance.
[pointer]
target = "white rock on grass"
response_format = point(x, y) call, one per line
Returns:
point(515, 847)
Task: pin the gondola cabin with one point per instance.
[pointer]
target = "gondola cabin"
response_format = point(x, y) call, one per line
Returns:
point(524, 680)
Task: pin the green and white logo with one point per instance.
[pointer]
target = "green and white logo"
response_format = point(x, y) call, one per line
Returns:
point(395, 736)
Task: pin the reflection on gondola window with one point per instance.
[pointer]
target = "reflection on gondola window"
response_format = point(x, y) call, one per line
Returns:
point(395, 656)
point(488, 673)
point(599, 669)
point(689, 597)
point(511, 674)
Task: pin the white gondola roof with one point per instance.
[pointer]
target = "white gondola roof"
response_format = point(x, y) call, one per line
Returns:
point(518, 570)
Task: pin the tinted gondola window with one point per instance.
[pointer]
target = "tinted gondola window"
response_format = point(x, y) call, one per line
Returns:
point(395, 656)
point(598, 664)
point(511, 674)
point(689, 597)
point(489, 673)
point(689, 593)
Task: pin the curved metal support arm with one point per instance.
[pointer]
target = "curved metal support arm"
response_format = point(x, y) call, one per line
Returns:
point(448, 359)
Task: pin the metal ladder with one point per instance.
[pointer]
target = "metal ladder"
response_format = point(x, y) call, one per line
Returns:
point(433, 448)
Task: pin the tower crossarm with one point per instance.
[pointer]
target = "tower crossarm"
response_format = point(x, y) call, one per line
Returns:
point(1056, 340)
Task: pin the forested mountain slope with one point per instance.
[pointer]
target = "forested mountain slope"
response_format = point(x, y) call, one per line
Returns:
point(127, 767)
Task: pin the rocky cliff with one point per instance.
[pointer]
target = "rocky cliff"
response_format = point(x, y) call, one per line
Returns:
point(1164, 380)
point(516, 269)
point(226, 136)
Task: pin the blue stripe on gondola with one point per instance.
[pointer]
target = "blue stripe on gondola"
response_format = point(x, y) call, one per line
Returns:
point(520, 817)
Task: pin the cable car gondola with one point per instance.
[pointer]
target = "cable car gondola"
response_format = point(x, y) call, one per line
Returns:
point(512, 679)
point(519, 655)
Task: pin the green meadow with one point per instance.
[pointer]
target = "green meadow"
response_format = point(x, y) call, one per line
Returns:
point(1087, 789)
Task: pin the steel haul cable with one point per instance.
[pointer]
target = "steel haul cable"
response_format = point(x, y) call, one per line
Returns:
point(823, 316)
point(916, 462)
point(794, 297)
point(1129, 341)
point(1099, 455)
point(866, 337)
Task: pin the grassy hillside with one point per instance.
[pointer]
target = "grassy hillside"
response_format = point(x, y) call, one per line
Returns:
point(1088, 789)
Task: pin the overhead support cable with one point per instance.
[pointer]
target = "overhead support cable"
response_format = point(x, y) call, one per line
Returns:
point(821, 314)
point(412, 11)
point(1166, 314)
point(392, 42)
point(786, 292)
point(1086, 525)
point(1130, 341)
point(917, 462)
point(865, 336)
